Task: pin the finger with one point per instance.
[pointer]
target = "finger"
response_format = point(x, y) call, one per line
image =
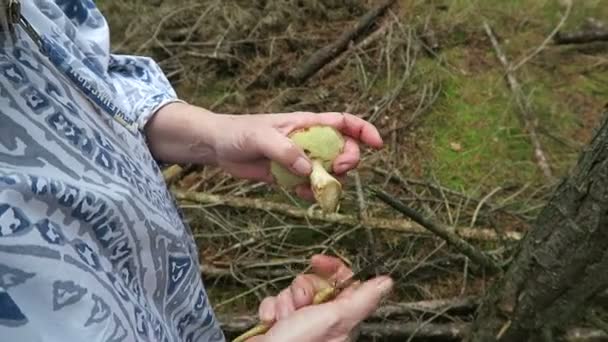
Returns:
point(305, 192)
point(330, 268)
point(305, 287)
point(363, 300)
point(278, 147)
point(349, 158)
point(257, 170)
point(284, 304)
point(302, 290)
point(348, 124)
point(266, 311)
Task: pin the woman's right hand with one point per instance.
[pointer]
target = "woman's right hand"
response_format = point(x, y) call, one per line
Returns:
point(295, 319)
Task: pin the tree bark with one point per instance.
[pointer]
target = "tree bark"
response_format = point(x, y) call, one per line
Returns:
point(561, 264)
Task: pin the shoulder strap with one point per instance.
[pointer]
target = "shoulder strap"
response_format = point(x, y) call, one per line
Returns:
point(10, 12)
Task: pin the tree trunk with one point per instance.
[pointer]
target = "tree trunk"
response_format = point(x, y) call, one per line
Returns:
point(561, 264)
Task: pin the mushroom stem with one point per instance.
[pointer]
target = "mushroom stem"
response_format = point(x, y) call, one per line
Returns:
point(326, 189)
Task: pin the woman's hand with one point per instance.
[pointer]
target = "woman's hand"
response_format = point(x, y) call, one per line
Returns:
point(294, 319)
point(244, 145)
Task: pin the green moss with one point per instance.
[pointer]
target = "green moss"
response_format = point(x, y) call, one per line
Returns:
point(475, 134)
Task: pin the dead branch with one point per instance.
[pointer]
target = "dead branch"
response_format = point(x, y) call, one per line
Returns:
point(449, 331)
point(403, 226)
point(239, 324)
point(524, 106)
point(581, 37)
point(324, 55)
point(442, 231)
point(454, 305)
point(380, 32)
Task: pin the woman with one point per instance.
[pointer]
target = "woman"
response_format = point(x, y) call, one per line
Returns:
point(92, 246)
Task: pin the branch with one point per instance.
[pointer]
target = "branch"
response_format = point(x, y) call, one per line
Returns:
point(329, 52)
point(523, 105)
point(581, 37)
point(553, 33)
point(456, 305)
point(438, 331)
point(440, 230)
point(172, 173)
point(239, 324)
point(402, 226)
point(381, 31)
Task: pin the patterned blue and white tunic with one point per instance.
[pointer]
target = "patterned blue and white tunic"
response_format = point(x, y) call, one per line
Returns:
point(92, 245)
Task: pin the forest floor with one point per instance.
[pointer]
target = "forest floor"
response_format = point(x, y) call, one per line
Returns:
point(456, 146)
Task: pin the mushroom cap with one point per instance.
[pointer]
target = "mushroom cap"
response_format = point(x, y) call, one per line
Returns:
point(322, 143)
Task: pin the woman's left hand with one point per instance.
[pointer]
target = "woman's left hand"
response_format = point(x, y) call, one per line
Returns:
point(244, 145)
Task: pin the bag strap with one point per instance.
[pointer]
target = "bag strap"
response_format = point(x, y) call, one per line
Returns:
point(10, 13)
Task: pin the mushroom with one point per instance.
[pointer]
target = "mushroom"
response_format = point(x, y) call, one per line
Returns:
point(322, 144)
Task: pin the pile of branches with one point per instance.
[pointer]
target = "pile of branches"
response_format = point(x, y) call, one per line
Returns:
point(254, 238)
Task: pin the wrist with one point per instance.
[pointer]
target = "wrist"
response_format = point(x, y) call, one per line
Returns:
point(182, 133)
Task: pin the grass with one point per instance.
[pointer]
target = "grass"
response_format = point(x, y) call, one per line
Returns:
point(473, 136)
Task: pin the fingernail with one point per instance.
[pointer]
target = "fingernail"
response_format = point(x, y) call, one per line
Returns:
point(385, 285)
point(302, 166)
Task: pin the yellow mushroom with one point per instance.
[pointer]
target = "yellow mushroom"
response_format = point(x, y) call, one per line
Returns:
point(322, 144)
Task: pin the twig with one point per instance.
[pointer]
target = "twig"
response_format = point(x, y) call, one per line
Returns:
point(480, 204)
point(440, 230)
point(456, 305)
point(244, 294)
point(547, 39)
point(324, 55)
point(171, 173)
point(233, 247)
point(523, 105)
point(594, 318)
point(403, 226)
point(360, 46)
point(174, 172)
point(363, 215)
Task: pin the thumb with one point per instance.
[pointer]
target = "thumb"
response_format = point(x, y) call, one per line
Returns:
point(279, 148)
point(361, 302)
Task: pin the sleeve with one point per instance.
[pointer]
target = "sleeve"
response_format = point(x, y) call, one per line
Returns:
point(142, 84)
point(138, 81)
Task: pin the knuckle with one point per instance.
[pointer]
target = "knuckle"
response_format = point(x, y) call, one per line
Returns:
point(247, 137)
